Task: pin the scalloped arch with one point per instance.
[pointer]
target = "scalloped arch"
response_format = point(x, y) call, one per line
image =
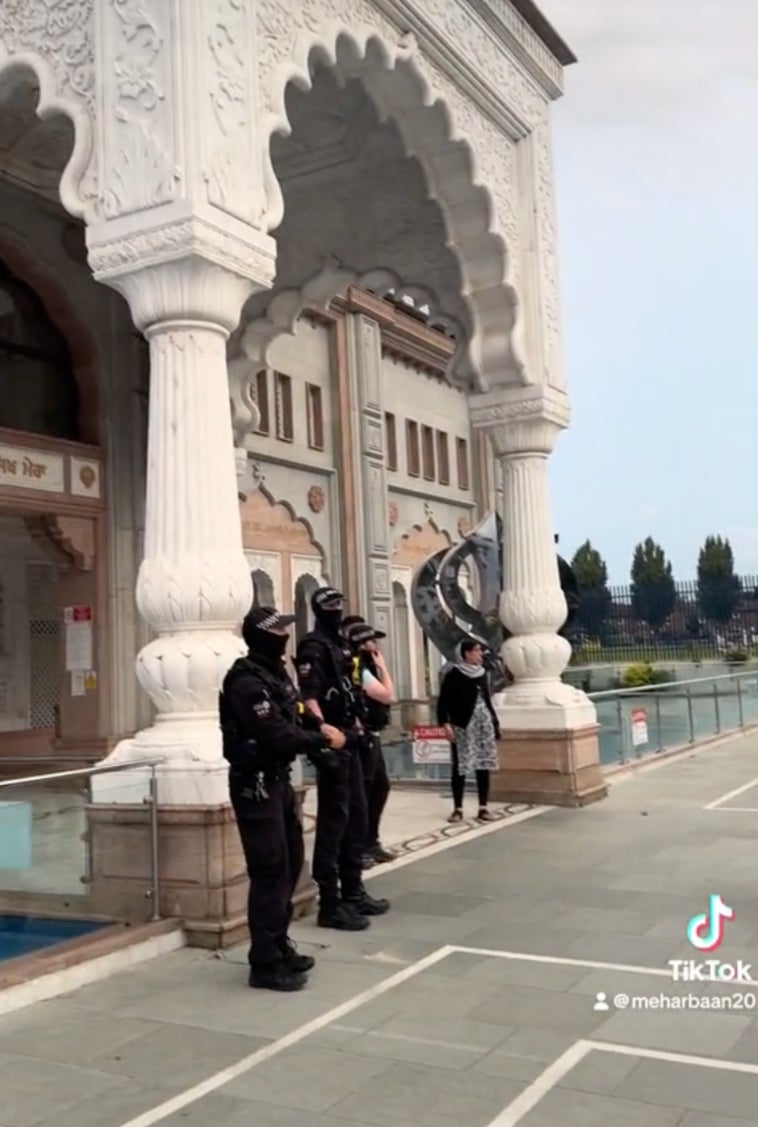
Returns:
point(395, 78)
point(49, 104)
point(294, 516)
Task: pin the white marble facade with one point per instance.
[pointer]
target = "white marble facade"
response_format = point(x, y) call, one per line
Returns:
point(397, 146)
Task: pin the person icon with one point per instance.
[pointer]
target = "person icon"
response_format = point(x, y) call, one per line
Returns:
point(601, 1002)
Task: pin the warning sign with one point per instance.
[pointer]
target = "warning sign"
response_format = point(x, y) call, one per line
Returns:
point(639, 727)
point(430, 744)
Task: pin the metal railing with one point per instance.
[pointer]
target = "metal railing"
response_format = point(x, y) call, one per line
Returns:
point(683, 713)
point(50, 784)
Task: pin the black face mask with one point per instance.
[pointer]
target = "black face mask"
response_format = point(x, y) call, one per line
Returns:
point(269, 646)
point(329, 620)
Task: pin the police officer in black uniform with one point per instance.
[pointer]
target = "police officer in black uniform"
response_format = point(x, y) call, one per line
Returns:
point(378, 693)
point(265, 727)
point(326, 676)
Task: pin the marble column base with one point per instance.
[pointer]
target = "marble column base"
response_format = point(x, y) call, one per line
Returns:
point(550, 768)
point(202, 876)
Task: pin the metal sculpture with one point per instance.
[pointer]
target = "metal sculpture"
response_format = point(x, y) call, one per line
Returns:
point(442, 608)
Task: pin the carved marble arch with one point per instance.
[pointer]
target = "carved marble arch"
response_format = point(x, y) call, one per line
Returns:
point(271, 525)
point(414, 547)
point(438, 127)
point(56, 97)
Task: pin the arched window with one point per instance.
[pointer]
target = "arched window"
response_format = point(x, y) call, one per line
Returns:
point(263, 589)
point(304, 589)
point(38, 389)
point(401, 637)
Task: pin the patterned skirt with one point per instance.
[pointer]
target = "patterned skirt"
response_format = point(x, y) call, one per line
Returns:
point(476, 744)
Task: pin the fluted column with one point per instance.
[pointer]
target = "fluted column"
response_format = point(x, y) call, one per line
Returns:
point(523, 424)
point(193, 587)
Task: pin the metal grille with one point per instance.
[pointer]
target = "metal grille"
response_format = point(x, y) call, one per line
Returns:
point(44, 644)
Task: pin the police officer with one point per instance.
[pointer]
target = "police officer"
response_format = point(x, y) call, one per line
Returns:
point(325, 674)
point(378, 694)
point(265, 727)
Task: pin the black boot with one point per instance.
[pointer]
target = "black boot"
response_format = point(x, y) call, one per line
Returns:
point(341, 917)
point(299, 964)
point(380, 855)
point(364, 905)
point(276, 976)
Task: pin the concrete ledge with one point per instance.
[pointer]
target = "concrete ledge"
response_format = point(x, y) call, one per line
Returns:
point(79, 962)
point(550, 768)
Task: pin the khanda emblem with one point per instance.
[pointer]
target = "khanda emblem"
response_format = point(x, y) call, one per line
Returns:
point(442, 607)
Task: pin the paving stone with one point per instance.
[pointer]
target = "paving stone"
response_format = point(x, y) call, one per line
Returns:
point(528, 1008)
point(454, 1044)
point(118, 1106)
point(679, 1031)
point(30, 1093)
point(525, 1054)
point(584, 1109)
point(600, 1072)
point(67, 1035)
point(176, 1055)
point(410, 1096)
point(692, 1088)
point(308, 1078)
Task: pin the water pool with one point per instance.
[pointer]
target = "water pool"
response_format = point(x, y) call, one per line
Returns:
point(22, 935)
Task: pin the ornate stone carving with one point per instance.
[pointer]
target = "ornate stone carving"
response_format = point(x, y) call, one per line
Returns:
point(171, 241)
point(139, 147)
point(231, 170)
point(521, 420)
point(393, 513)
point(473, 151)
point(316, 499)
point(61, 33)
point(464, 526)
point(56, 41)
point(547, 237)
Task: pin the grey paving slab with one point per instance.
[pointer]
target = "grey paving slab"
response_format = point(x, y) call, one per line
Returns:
point(692, 1088)
point(525, 1054)
point(585, 1109)
point(324, 1077)
point(125, 1102)
point(174, 1056)
point(413, 1096)
point(29, 1092)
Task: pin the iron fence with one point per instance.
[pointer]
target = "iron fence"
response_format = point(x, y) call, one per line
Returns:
point(607, 629)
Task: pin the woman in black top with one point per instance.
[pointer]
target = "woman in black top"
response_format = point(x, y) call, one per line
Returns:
point(465, 710)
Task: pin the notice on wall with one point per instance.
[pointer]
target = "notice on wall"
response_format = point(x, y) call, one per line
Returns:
point(639, 727)
point(77, 622)
point(429, 745)
point(77, 683)
point(90, 681)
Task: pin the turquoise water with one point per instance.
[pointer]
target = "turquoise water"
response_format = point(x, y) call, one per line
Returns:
point(21, 935)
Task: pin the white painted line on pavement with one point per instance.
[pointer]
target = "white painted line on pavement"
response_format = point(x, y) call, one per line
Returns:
point(560, 1068)
point(544, 1083)
point(219, 1079)
point(731, 794)
point(558, 960)
point(459, 839)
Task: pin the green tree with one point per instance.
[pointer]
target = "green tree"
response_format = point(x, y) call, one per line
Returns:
point(653, 588)
point(594, 597)
point(718, 588)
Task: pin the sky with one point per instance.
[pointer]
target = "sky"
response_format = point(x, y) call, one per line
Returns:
point(656, 154)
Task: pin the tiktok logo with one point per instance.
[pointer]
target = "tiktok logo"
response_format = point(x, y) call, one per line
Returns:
point(706, 931)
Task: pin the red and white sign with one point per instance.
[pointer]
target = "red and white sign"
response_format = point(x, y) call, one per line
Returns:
point(639, 727)
point(77, 614)
point(430, 744)
point(78, 631)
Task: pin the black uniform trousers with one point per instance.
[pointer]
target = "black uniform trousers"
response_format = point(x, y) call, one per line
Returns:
point(377, 784)
point(341, 822)
point(272, 840)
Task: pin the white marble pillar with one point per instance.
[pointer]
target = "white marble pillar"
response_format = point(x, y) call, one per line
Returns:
point(194, 585)
point(523, 424)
